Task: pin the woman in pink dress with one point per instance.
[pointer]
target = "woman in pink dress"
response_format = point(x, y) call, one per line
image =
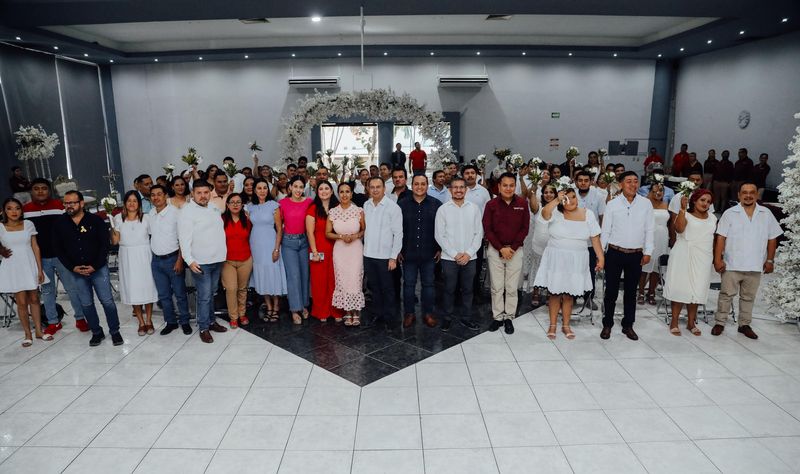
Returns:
point(346, 228)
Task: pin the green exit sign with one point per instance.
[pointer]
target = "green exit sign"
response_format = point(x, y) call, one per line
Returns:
point(555, 114)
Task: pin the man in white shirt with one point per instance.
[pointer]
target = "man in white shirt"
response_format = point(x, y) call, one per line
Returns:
point(386, 176)
point(745, 247)
point(167, 263)
point(478, 195)
point(438, 190)
point(593, 199)
point(383, 240)
point(202, 242)
point(459, 232)
point(675, 205)
point(238, 178)
point(627, 236)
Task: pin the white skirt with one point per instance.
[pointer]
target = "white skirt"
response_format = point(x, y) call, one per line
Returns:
point(564, 271)
point(136, 284)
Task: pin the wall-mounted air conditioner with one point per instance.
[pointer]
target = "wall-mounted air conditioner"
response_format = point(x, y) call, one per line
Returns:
point(478, 80)
point(323, 82)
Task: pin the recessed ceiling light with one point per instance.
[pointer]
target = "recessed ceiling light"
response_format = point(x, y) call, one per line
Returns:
point(477, 53)
point(659, 55)
point(682, 49)
point(570, 54)
point(431, 53)
point(294, 55)
point(524, 53)
point(246, 56)
point(615, 55)
point(19, 39)
point(316, 19)
point(200, 58)
point(709, 41)
point(55, 47)
point(338, 54)
point(784, 20)
point(155, 60)
point(111, 60)
point(85, 55)
point(741, 32)
point(385, 53)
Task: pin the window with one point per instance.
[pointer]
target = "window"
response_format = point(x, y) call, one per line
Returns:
point(351, 139)
point(407, 134)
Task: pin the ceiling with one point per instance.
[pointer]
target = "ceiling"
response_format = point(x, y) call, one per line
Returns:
point(184, 30)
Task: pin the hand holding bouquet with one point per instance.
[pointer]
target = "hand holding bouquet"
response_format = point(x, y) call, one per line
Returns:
point(191, 157)
point(230, 169)
point(109, 204)
point(686, 188)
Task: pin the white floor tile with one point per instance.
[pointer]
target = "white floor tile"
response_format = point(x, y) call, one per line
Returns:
point(244, 462)
point(230, 375)
point(388, 432)
point(102, 400)
point(582, 427)
point(564, 396)
point(460, 461)
point(323, 400)
point(402, 378)
point(388, 401)
point(782, 388)
point(495, 373)
point(518, 429)
point(494, 352)
point(283, 375)
point(785, 448)
point(12, 393)
point(706, 423)
point(245, 354)
point(316, 462)
point(675, 392)
point(599, 371)
point(556, 371)
point(602, 458)
point(258, 432)
point(448, 400)
point(47, 399)
point(131, 431)
point(699, 367)
point(454, 355)
point(506, 399)
point(548, 459)
point(453, 431)
point(33, 460)
point(742, 456)
point(79, 374)
point(129, 375)
point(438, 375)
point(271, 400)
point(219, 400)
point(730, 391)
point(328, 433)
point(71, 430)
point(673, 457)
point(616, 395)
point(158, 400)
point(764, 420)
point(194, 432)
point(17, 428)
point(528, 351)
point(185, 461)
point(645, 369)
point(645, 425)
point(388, 462)
point(106, 461)
point(179, 375)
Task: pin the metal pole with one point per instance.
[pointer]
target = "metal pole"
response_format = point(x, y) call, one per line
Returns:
point(362, 38)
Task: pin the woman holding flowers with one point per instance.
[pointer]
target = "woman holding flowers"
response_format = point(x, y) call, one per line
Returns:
point(689, 270)
point(660, 244)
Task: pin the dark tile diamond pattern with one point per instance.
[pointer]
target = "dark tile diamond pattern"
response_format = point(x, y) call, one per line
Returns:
point(363, 355)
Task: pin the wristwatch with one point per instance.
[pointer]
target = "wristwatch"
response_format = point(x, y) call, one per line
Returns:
point(770, 261)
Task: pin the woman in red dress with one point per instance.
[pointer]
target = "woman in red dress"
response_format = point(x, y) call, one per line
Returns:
point(320, 248)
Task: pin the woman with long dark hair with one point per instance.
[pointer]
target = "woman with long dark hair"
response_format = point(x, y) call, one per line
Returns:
point(239, 263)
point(323, 281)
point(247, 189)
point(21, 273)
point(131, 231)
point(269, 276)
point(294, 247)
point(179, 192)
point(345, 227)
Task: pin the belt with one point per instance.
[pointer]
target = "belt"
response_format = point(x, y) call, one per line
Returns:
point(169, 255)
point(624, 250)
point(294, 236)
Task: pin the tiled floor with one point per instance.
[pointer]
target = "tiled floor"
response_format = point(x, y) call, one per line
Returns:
point(493, 403)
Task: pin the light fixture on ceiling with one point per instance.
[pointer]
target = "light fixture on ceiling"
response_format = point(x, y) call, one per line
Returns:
point(55, 47)
point(246, 56)
point(741, 32)
point(615, 55)
point(683, 49)
point(431, 53)
point(570, 54)
point(316, 19)
point(338, 54)
point(85, 55)
point(385, 53)
point(200, 58)
point(294, 55)
point(111, 60)
point(155, 60)
point(524, 53)
point(659, 55)
point(18, 38)
point(709, 41)
point(784, 20)
point(477, 53)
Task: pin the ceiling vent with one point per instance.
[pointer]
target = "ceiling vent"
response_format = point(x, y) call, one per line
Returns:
point(254, 21)
point(323, 82)
point(498, 17)
point(479, 80)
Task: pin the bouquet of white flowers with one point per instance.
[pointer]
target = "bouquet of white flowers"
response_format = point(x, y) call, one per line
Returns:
point(480, 161)
point(191, 157)
point(516, 161)
point(109, 204)
point(329, 152)
point(535, 175)
point(656, 178)
point(169, 168)
point(563, 184)
point(501, 153)
point(254, 147)
point(608, 177)
point(686, 188)
point(602, 152)
point(593, 171)
point(230, 169)
point(572, 152)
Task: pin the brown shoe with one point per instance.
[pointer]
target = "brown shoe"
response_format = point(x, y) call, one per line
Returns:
point(717, 329)
point(605, 333)
point(631, 334)
point(748, 331)
point(430, 321)
point(205, 336)
point(216, 327)
point(409, 320)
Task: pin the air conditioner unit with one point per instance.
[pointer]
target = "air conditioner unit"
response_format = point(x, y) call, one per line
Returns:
point(324, 82)
point(478, 80)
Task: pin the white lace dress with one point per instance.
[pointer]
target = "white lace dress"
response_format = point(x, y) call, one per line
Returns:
point(564, 268)
point(348, 259)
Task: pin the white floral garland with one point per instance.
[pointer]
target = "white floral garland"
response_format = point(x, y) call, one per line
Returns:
point(34, 144)
point(782, 291)
point(380, 105)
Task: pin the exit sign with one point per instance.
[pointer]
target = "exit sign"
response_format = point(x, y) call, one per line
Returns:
point(555, 115)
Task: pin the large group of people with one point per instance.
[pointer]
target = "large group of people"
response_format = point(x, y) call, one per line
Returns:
point(318, 239)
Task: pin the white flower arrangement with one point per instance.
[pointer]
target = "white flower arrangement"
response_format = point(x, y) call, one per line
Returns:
point(602, 153)
point(516, 161)
point(782, 290)
point(329, 152)
point(169, 168)
point(35, 144)
point(254, 148)
point(535, 175)
point(480, 161)
point(608, 177)
point(593, 170)
point(109, 204)
point(191, 157)
point(563, 184)
point(572, 152)
point(377, 104)
point(686, 188)
point(230, 169)
point(535, 161)
point(657, 178)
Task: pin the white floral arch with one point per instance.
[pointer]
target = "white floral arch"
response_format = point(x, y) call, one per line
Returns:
point(379, 105)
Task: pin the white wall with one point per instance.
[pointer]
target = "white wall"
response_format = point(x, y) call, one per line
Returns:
point(219, 107)
point(761, 77)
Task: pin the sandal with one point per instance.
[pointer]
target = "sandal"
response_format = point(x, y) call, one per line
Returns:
point(568, 332)
point(640, 299)
point(45, 337)
point(551, 332)
point(675, 331)
point(651, 300)
point(305, 313)
point(356, 320)
point(337, 320)
point(272, 316)
point(27, 343)
point(296, 319)
point(149, 328)
point(694, 330)
point(142, 330)
point(348, 320)
point(244, 321)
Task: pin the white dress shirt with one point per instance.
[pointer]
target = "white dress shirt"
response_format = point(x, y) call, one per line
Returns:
point(675, 204)
point(459, 229)
point(359, 188)
point(478, 195)
point(628, 224)
point(164, 230)
point(238, 182)
point(595, 201)
point(443, 195)
point(383, 235)
point(746, 238)
point(201, 234)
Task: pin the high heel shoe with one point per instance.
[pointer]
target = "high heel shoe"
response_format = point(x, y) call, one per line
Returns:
point(568, 332)
point(551, 332)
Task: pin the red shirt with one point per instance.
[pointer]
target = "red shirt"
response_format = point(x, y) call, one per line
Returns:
point(417, 158)
point(237, 238)
point(653, 159)
point(679, 161)
point(506, 224)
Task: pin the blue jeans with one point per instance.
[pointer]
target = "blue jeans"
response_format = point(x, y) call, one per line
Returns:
point(101, 283)
point(51, 266)
point(294, 250)
point(167, 284)
point(206, 284)
point(425, 269)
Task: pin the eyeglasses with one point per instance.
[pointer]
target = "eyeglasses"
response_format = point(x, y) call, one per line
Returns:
point(71, 203)
point(235, 203)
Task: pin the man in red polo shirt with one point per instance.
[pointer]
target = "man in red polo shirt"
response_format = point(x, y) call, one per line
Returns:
point(505, 225)
point(653, 158)
point(417, 160)
point(680, 160)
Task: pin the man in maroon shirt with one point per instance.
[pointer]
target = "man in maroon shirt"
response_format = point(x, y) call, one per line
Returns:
point(723, 176)
point(417, 160)
point(680, 160)
point(505, 226)
point(742, 171)
point(653, 158)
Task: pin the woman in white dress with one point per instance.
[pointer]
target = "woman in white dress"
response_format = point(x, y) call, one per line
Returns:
point(660, 244)
point(528, 271)
point(540, 235)
point(564, 269)
point(131, 231)
point(689, 269)
point(21, 271)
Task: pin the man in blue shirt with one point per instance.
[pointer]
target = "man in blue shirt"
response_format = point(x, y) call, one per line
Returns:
point(420, 251)
point(669, 193)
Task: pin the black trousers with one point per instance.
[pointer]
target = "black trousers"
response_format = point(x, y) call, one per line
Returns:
point(381, 287)
point(457, 275)
point(618, 263)
point(477, 284)
point(592, 263)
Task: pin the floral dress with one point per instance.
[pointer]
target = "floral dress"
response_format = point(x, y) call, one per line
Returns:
point(348, 263)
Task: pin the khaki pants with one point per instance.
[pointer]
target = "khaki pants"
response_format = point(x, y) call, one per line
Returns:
point(504, 276)
point(235, 278)
point(744, 283)
point(721, 191)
